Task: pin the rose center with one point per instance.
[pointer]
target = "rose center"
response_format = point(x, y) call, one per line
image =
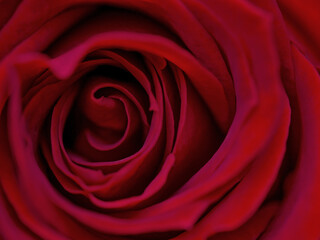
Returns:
point(107, 122)
point(105, 110)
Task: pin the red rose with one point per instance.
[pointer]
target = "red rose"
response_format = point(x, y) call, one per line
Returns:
point(141, 119)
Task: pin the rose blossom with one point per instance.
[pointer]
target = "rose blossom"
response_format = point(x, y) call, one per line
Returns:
point(141, 119)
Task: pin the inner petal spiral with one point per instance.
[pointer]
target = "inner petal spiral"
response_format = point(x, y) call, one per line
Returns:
point(106, 124)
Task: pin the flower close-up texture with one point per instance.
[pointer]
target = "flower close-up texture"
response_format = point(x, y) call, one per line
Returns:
point(160, 119)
